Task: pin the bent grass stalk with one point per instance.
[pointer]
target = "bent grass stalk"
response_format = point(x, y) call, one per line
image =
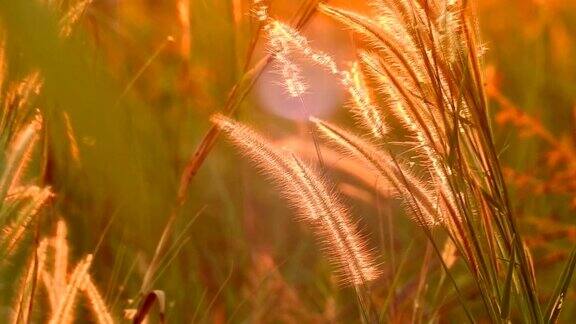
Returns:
point(316, 204)
point(196, 160)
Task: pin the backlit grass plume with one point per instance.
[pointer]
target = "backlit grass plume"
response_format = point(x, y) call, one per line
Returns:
point(312, 196)
point(408, 187)
point(420, 62)
point(424, 58)
point(63, 287)
point(82, 137)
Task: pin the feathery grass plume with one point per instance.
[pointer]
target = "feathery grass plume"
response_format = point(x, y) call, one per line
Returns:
point(41, 255)
point(285, 40)
point(20, 311)
point(292, 76)
point(417, 121)
point(73, 143)
point(408, 108)
point(259, 10)
point(72, 16)
point(400, 73)
point(333, 159)
point(288, 40)
point(48, 283)
point(12, 234)
point(312, 196)
point(97, 304)
point(363, 106)
point(249, 76)
point(64, 312)
point(280, 47)
point(395, 56)
point(18, 94)
point(62, 288)
point(424, 58)
point(18, 155)
point(411, 189)
point(60, 245)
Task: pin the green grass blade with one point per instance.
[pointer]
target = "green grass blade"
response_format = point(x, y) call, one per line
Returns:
point(505, 305)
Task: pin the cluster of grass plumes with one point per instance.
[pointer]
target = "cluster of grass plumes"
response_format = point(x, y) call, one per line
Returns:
point(419, 62)
point(24, 198)
point(97, 124)
point(61, 286)
point(21, 127)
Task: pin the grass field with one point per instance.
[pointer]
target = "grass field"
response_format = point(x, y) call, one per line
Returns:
point(275, 161)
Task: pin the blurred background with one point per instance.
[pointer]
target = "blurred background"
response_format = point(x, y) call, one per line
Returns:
point(136, 83)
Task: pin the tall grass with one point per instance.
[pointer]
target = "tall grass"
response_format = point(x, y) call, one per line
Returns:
point(423, 142)
point(423, 60)
point(22, 128)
